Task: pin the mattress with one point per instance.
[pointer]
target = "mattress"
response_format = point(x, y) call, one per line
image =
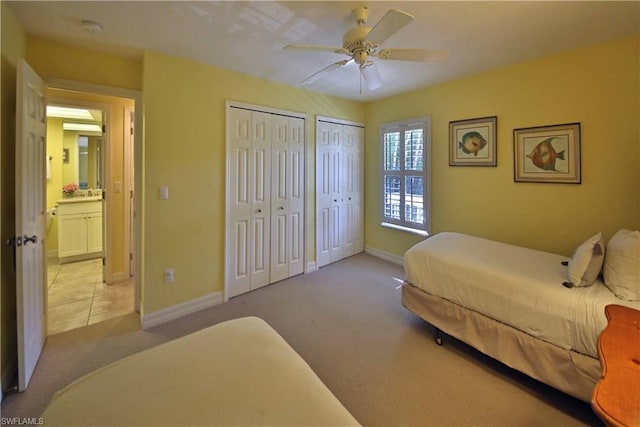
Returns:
point(514, 285)
point(240, 372)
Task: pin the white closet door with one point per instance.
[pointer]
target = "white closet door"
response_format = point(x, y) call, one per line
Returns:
point(336, 214)
point(249, 201)
point(287, 197)
point(260, 176)
point(296, 195)
point(239, 205)
point(339, 191)
point(280, 189)
point(323, 193)
point(352, 190)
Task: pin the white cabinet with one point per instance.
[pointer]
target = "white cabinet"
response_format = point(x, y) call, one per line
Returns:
point(79, 229)
point(339, 190)
point(265, 199)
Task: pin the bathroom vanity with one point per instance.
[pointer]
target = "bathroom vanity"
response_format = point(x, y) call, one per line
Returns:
point(79, 228)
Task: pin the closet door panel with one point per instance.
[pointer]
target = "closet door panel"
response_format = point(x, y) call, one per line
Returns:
point(280, 190)
point(296, 181)
point(260, 177)
point(323, 193)
point(239, 203)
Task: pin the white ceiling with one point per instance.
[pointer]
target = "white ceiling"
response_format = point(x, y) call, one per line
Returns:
point(248, 36)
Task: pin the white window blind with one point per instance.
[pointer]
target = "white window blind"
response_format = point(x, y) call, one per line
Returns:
point(405, 172)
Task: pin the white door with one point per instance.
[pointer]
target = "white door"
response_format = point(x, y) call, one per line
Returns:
point(260, 200)
point(248, 200)
point(336, 214)
point(287, 197)
point(280, 188)
point(352, 189)
point(323, 193)
point(30, 220)
point(296, 195)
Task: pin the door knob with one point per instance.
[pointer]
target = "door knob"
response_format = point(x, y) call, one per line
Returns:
point(33, 239)
point(281, 208)
point(259, 210)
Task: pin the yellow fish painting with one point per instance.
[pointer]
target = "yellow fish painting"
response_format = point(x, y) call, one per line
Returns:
point(544, 156)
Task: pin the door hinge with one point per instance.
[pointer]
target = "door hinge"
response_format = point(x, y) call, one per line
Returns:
point(104, 128)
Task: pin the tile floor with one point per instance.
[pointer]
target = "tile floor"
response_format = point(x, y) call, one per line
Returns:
point(77, 297)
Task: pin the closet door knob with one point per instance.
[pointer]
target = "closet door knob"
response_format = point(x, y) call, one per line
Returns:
point(281, 208)
point(259, 210)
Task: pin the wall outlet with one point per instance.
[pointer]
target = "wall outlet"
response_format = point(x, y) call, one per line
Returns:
point(168, 275)
point(164, 192)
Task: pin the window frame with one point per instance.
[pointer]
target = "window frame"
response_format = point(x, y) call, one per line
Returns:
point(423, 123)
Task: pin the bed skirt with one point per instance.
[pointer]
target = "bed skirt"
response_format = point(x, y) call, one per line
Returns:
point(566, 370)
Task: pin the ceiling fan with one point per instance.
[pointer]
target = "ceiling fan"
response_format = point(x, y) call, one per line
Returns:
point(361, 43)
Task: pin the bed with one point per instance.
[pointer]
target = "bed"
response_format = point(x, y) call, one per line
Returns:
point(509, 302)
point(240, 372)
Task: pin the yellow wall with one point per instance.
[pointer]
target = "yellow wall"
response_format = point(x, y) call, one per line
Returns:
point(55, 144)
point(185, 150)
point(597, 86)
point(84, 65)
point(12, 48)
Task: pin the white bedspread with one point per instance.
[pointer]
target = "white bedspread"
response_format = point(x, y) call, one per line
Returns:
point(239, 372)
point(514, 285)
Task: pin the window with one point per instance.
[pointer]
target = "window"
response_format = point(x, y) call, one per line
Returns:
point(405, 175)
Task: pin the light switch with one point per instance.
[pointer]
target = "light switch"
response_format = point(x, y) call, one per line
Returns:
point(117, 186)
point(164, 192)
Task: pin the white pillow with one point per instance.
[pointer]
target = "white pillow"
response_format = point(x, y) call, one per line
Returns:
point(586, 262)
point(622, 265)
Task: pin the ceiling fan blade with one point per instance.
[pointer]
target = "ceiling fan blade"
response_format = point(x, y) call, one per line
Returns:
point(390, 24)
point(314, 77)
point(333, 49)
point(371, 76)
point(416, 55)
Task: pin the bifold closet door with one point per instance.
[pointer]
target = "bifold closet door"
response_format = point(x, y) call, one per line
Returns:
point(248, 263)
point(339, 191)
point(287, 197)
point(352, 189)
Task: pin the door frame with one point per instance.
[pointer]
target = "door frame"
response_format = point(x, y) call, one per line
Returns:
point(137, 237)
point(106, 161)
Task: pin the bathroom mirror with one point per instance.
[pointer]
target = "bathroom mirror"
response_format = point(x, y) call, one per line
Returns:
point(75, 134)
point(85, 160)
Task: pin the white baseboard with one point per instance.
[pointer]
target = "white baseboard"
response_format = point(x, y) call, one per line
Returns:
point(175, 312)
point(393, 258)
point(311, 267)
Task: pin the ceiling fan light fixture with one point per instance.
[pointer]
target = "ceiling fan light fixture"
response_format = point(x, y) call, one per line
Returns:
point(371, 76)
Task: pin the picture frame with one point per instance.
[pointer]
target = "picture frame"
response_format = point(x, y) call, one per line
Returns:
point(548, 154)
point(472, 142)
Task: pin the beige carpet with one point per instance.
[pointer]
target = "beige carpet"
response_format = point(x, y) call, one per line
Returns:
point(346, 321)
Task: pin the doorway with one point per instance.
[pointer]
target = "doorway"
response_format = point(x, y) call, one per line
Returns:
point(88, 237)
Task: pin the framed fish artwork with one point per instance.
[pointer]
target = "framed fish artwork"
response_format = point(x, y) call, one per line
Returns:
point(472, 142)
point(548, 154)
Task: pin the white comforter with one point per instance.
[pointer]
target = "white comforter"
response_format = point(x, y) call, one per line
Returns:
point(236, 373)
point(514, 285)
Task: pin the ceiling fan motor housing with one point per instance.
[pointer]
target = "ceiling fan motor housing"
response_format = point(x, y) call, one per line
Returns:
point(355, 41)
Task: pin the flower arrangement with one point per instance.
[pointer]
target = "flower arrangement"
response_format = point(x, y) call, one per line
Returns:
point(69, 189)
